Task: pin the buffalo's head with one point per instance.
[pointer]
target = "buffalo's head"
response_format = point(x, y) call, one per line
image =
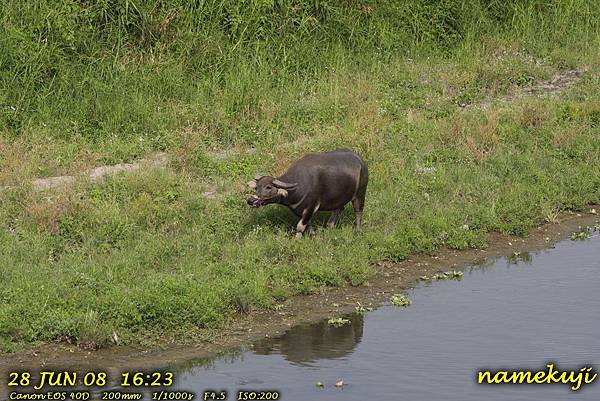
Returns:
point(268, 190)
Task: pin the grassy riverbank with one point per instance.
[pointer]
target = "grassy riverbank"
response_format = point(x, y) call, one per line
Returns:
point(227, 91)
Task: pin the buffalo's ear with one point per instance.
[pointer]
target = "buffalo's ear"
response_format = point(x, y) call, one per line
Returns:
point(284, 185)
point(252, 184)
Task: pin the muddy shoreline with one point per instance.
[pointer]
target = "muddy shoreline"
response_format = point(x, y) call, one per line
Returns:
point(245, 330)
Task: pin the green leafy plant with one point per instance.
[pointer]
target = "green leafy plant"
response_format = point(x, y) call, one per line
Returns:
point(580, 235)
point(400, 300)
point(338, 321)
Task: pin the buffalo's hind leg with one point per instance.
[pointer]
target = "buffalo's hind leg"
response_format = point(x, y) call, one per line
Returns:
point(335, 217)
point(358, 204)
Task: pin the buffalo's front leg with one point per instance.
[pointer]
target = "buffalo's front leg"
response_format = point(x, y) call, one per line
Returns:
point(335, 217)
point(301, 226)
point(304, 222)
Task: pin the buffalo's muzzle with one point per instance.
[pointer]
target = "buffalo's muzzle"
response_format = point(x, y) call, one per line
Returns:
point(253, 201)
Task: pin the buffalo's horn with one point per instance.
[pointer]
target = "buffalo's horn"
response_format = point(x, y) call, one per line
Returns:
point(258, 176)
point(284, 185)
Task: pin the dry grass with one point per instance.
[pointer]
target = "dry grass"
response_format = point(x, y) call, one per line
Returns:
point(565, 137)
point(46, 210)
point(24, 159)
point(366, 117)
point(479, 136)
point(551, 215)
point(533, 115)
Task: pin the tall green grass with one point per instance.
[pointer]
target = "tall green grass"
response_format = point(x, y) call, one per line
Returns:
point(105, 72)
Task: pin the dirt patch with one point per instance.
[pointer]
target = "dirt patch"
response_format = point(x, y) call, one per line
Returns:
point(328, 302)
point(555, 85)
point(98, 174)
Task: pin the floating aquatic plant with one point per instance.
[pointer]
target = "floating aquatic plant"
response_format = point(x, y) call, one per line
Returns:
point(400, 300)
point(580, 235)
point(451, 274)
point(361, 309)
point(338, 321)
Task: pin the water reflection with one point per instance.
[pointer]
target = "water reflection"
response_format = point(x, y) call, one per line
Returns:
point(516, 257)
point(306, 344)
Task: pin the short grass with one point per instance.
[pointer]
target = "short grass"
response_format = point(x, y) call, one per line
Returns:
point(148, 257)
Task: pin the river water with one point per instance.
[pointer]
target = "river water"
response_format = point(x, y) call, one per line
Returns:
point(511, 313)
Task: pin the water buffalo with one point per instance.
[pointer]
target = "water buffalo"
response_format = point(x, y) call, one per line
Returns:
point(318, 181)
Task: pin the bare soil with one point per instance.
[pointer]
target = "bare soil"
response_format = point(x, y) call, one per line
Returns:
point(328, 302)
point(553, 86)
